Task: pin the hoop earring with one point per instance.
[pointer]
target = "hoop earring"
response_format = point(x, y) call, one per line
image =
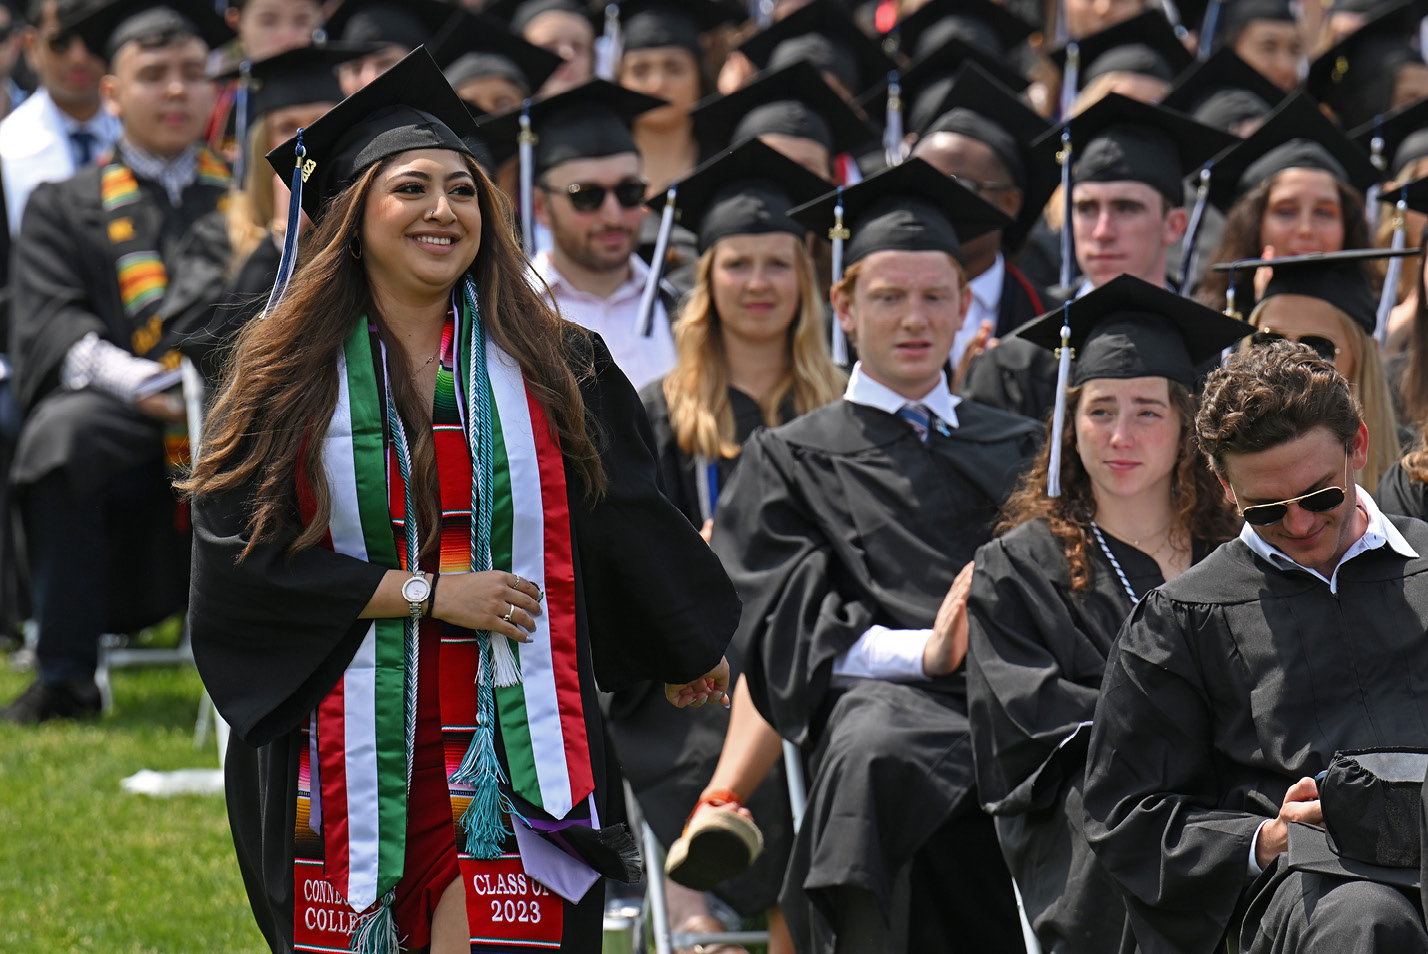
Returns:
point(354, 248)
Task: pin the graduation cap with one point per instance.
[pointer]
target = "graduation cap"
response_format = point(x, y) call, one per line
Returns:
point(928, 78)
point(1355, 77)
point(1126, 328)
point(1145, 43)
point(1295, 135)
point(1238, 14)
point(295, 78)
point(646, 24)
point(981, 23)
point(976, 106)
point(404, 23)
point(793, 101)
point(475, 45)
point(1335, 277)
point(519, 13)
point(1223, 92)
point(1396, 139)
point(108, 25)
point(823, 34)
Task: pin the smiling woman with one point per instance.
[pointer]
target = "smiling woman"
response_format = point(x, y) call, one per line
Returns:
point(411, 412)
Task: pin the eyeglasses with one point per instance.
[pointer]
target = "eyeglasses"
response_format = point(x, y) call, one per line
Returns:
point(60, 42)
point(1318, 501)
point(1323, 347)
point(588, 196)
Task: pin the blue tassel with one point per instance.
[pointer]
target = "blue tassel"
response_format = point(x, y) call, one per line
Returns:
point(289, 259)
point(376, 933)
point(240, 121)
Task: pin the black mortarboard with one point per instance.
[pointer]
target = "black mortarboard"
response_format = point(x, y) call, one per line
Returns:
point(296, 77)
point(1130, 328)
point(1222, 91)
point(646, 24)
point(980, 22)
point(823, 34)
point(404, 23)
point(1295, 136)
point(928, 78)
point(473, 45)
point(1415, 193)
point(793, 101)
point(1238, 14)
point(410, 106)
point(519, 13)
point(976, 106)
point(587, 122)
point(746, 190)
point(1119, 139)
point(106, 26)
point(1335, 277)
point(910, 207)
point(1145, 43)
point(1404, 133)
point(1355, 77)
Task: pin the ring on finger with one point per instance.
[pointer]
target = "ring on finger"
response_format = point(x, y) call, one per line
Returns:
point(517, 585)
point(509, 612)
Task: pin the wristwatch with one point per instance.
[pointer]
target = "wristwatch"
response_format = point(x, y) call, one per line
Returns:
point(415, 591)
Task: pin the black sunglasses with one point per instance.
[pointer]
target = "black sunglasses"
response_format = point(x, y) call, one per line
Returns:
point(1320, 501)
point(587, 196)
point(60, 42)
point(1321, 346)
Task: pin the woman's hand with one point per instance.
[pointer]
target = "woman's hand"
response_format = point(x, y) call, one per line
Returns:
point(712, 686)
point(483, 600)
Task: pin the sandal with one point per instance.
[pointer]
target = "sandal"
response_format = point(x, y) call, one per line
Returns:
point(715, 846)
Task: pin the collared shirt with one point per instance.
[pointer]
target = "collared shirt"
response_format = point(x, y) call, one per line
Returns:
point(894, 655)
point(1380, 533)
point(986, 290)
point(174, 174)
point(616, 318)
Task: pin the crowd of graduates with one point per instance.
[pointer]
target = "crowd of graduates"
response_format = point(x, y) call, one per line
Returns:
point(964, 332)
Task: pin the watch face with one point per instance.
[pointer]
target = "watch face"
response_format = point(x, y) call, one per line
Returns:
point(416, 589)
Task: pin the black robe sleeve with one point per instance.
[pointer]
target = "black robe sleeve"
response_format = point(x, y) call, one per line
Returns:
point(1153, 775)
point(657, 600)
point(1401, 493)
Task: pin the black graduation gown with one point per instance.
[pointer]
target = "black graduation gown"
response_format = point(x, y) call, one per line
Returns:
point(1227, 685)
point(272, 635)
point(837, 521)
point(1401, 493)
point(668, 762)
point(1021, 300)
point(1016, 375)
point(67, 286)
point(1036, 656)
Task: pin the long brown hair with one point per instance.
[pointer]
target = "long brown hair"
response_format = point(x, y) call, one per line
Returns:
point(281, 385)
point(1201, 512)
point(697, 390)
point(250, 207)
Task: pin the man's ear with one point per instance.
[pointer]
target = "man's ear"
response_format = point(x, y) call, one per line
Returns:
point(843, 311)
point(1176, 222)
point(538, 205)
point(108, 83)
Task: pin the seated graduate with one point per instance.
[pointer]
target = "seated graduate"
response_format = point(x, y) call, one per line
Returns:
point(408, 616)
point(751, 350)
point(1233, 684)
point(1131, 505)
point(844, 531)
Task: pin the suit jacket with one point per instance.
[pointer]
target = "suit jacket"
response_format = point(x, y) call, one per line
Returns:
point(35, 148)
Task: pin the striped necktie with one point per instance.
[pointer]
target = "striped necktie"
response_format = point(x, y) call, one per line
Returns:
point(919, 416)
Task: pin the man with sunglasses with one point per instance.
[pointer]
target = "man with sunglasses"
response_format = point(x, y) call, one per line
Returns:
point(1232, 686)
point(61, 128)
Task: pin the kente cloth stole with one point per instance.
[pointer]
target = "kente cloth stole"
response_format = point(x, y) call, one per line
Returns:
point(508, 512)
point(143, 279)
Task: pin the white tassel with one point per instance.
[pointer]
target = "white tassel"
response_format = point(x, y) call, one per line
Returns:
point(1389, 297)
point(1058, 417)
point(526, 141)
point(504, 661)
point(645, 315)
point(838, 234)
point(1070, 77)
point(892, 134)
point(1376, 146)
point(608, 45)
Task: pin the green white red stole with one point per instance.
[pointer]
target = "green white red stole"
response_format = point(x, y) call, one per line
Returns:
point(520, 523)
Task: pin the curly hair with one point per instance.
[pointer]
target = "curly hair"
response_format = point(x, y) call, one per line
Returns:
point(1201, 512)
point(1269, 395)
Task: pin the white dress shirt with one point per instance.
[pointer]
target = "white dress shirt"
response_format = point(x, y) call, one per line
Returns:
point(35, 147)
point(1380, 533)
point(986, 290)
point(894, 655)
point(642, 358)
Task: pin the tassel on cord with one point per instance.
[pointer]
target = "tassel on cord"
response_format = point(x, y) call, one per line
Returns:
point(1389, 297)
point(1070, 77)
point(892, 132)
point(376, 933)
point(484, 821)
point(301, 170)
point(608, 46)
point(838, 234)
point(526, 141)
point(1230, 307)
point(1208, 26)
point(645, 316)
point(1189, 253)
point(1058, 417)
point(1068, 246)
point(240, 120)
point(1376, 146)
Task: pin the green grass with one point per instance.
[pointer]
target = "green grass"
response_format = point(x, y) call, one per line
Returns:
point(84, 865)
